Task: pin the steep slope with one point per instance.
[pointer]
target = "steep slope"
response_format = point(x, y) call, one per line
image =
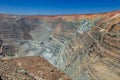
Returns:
point(86, 47)
point(29, 68)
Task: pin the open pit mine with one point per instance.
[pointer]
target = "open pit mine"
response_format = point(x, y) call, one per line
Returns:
point(83, 47)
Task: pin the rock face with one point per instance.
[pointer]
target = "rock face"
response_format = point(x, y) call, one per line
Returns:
point(29, 68)
point(86, 47)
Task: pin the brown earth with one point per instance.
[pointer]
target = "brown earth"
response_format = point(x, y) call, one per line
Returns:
point(29, 68)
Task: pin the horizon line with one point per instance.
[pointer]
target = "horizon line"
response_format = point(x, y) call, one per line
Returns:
point(60, 14)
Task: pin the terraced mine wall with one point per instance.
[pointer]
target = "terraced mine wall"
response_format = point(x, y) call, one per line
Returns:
point(85, 47)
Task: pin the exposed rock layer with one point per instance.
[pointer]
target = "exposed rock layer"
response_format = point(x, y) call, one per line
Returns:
point(86, 47)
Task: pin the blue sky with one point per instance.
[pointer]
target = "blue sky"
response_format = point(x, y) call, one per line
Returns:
point(57, 7)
